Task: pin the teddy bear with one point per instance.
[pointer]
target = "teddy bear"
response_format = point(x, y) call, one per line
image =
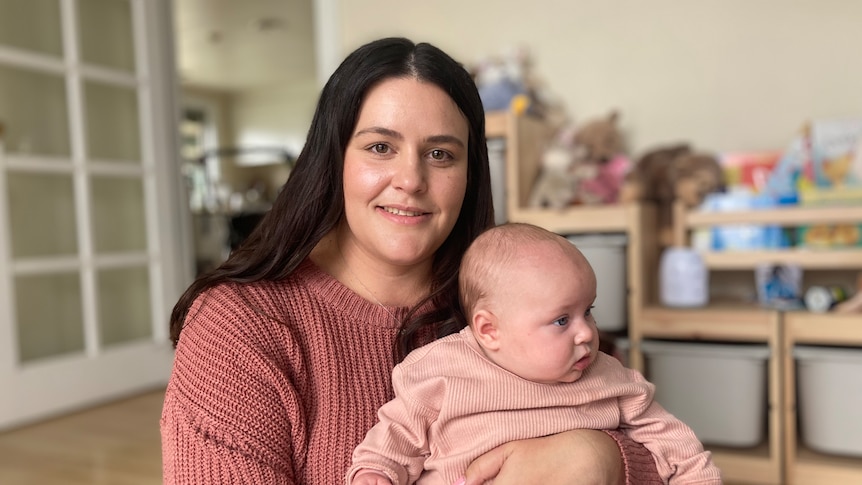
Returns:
point(668, 173)
point(555, 186)
point(600, 161)
point(583, 165)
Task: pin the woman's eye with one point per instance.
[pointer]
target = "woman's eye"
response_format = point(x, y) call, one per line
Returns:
point(561, 322)
point(380, 148)
point(440, 155)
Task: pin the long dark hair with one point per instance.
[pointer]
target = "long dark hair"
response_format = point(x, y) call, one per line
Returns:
point(312, 201)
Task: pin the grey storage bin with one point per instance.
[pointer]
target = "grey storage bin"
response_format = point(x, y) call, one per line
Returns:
point(607, 255)
point(829, 395)
point(719, 390)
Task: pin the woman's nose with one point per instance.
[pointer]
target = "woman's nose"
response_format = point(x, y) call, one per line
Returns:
point(410, 174)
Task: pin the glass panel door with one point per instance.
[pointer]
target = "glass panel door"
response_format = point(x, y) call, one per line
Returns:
point(86, 260)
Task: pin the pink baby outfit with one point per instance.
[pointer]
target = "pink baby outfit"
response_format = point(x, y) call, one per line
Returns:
point(452, 404)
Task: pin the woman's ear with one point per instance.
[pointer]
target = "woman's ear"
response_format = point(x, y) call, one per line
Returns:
point(485, 329)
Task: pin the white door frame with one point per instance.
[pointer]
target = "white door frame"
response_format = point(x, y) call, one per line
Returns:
point(42, 388)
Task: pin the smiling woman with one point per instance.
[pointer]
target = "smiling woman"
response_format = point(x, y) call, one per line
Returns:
point(405, 177)
point(284, 352)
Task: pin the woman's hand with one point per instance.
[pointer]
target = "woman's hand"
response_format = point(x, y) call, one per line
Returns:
point(370, 477)
point(583, 456)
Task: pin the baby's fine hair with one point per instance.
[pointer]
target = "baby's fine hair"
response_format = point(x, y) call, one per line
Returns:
point(493, 250)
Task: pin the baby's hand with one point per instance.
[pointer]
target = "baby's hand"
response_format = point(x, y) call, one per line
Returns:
point(370, 477)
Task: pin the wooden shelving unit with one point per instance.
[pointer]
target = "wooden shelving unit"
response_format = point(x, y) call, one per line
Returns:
point(762, 464)
point(786, 461)
point(780, 459)
point(805, 466)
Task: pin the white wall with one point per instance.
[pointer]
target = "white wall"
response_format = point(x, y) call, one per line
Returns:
point(722, 74)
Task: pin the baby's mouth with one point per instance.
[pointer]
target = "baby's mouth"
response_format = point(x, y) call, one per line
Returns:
point(583, 362)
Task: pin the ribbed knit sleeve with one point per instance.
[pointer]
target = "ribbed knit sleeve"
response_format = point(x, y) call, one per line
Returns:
point(275, 383)
point(229, 411)
point(638, 461)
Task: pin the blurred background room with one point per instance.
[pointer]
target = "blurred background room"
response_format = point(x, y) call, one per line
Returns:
point(141, 140)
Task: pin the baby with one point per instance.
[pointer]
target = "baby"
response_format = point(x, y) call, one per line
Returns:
point(527, 365)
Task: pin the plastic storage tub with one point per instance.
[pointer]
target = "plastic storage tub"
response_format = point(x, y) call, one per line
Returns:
point(607, 255)
point(719, 390)
point(829, 394)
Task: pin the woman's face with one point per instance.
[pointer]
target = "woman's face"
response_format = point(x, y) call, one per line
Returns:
point(405, 172)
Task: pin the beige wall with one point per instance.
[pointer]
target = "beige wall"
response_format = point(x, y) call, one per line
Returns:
point(722, 74)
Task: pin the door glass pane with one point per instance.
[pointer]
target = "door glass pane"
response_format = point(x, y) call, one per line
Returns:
point(50, 319)
point(118, 214)
point(112, 122)
point(32, 25)
point(106, 33)
point(41, 215)
point(33, 112)
point(124, 305)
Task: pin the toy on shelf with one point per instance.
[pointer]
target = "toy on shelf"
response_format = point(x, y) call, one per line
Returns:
point(669, 173)
point(583, 165)
point(506, 83)
point(821, 165)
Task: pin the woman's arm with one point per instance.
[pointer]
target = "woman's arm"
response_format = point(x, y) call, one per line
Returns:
point(583, 455)
point(225, 415)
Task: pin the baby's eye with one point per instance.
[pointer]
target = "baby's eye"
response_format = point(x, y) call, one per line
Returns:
point(589, 312)
point(380, 148)
point(561, 322)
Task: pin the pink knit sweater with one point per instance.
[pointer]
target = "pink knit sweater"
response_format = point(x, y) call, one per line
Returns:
point(277, 382)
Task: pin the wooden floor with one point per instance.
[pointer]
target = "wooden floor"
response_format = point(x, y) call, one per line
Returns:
point(114, 444)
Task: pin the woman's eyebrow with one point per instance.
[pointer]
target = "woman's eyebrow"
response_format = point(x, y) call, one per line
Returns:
point(379, 130)
point(448, 139)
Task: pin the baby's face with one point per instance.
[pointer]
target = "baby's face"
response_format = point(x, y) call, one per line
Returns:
point(546, 327)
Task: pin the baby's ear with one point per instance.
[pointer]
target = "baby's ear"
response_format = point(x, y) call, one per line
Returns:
point(485, 329)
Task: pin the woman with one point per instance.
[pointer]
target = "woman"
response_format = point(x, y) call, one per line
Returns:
point(284, 353)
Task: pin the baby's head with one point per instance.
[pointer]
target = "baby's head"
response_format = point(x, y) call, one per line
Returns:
point(528, 296)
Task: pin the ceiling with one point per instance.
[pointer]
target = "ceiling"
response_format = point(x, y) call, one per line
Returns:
point(237, 45)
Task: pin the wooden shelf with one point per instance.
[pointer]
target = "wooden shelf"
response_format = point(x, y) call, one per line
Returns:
point(710, 323)
point(745, 465)
point(526, 138)
point(827, 259)
point(789, 216)
point(813, 467)
point(610, 218)
point(824, 328)
point(496, 124)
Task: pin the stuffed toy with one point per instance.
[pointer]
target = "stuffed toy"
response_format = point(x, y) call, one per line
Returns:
point(600, 163)
point(584, 165)
point(598, 140)
point(499, 82)
point(555, 185)
point(668, 173)
point(506, 83)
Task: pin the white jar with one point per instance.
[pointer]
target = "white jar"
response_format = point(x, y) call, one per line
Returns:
point(683, 278)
